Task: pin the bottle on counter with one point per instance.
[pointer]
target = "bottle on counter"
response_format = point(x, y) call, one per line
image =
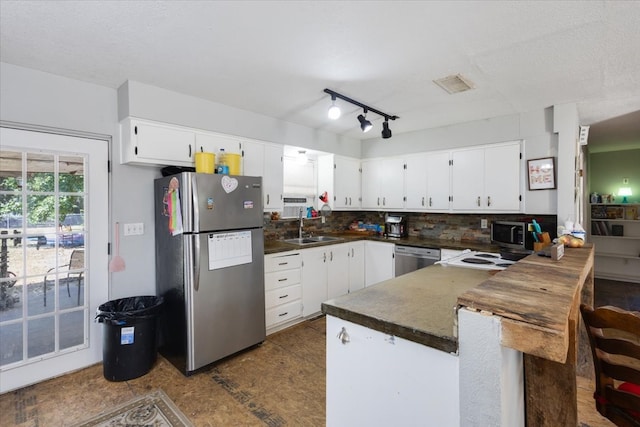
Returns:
point(223, 168)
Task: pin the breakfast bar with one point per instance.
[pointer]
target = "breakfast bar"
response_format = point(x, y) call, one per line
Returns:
point(530, 310)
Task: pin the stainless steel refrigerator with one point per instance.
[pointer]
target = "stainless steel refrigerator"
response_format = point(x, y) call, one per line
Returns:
point(209, 266)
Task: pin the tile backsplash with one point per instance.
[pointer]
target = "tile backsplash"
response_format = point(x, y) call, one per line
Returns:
point(454, 227)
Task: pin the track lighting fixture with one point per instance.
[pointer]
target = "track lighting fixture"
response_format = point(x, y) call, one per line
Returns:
point(386, 132)
point(365, 125)
point(334, 111)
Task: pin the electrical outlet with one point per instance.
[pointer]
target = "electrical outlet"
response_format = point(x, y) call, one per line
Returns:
point(483, 223)
point(134, 229)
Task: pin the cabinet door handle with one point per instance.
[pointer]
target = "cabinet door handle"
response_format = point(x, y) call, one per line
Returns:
point(189, 150)
point(478, 201)
point(267, 199)
point(349, 201)
point(352, 255)
point(283, 296)
point(384, 201)
point(331, 256)
point(378, 201)
point(282, 280)
point(283, 314)
point(488, 200)
point(344, 336)
point(324, 257)
point(430, 202)
point(283, 263)
point(423, 201)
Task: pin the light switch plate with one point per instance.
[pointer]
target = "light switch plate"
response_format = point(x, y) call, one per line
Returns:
point(483, 223)
point(134, 229)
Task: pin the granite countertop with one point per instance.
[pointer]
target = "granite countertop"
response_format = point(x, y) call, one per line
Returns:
point(418, 306)
point(276, 246)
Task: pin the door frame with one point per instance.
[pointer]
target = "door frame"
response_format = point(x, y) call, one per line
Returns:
point(51, 367)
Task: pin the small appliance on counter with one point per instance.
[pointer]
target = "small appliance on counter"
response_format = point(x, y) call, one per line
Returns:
point(395, 226)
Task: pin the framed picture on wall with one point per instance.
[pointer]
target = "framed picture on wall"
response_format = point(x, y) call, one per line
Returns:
point(542, 173)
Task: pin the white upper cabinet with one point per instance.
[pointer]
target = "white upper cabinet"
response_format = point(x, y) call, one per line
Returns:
point(212, 143)
point(487, 178)
point(265, 160)
point(150, 143)
point(383, 183)
point(340, 178)
point(427, 182)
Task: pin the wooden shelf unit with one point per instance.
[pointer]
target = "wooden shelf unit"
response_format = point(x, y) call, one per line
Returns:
point(615, 231)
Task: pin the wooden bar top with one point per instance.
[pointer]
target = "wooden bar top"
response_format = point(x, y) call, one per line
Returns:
point(535, 298)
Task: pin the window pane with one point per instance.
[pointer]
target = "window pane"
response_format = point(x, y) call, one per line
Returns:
point(71, 174)
point(40, 170)
point(40, 338)
point(11, 339)
point(71, 329)
point(10, 170)
point(10, 297)
point(71, 213)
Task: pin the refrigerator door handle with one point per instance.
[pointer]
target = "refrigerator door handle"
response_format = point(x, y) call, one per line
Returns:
point(196, 262)
point(195, 205)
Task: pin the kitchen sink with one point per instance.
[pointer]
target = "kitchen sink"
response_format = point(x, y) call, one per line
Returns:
point(313, 239)
point(303, 241)
point(324, 238)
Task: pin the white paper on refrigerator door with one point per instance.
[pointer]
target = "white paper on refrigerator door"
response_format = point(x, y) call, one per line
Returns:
point(229, 249)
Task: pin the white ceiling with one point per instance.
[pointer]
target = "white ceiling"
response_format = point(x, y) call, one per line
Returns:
point(276, 57)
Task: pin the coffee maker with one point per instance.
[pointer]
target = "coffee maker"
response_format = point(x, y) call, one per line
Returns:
point(395, 226)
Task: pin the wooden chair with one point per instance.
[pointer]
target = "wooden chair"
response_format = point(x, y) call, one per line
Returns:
point(614, 335)
point(76, 262)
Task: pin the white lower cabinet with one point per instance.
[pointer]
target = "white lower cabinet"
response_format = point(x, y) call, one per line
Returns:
point(314, 279)
point(283, 288)
point(375, 379)
point(329, 272)
point(379, 262)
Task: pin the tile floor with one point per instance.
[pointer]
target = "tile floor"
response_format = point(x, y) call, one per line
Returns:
point(282, 382)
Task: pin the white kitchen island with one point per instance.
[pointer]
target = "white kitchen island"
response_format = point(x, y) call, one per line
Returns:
point(401, 361)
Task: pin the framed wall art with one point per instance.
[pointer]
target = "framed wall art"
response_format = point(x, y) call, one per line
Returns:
point(542, 173)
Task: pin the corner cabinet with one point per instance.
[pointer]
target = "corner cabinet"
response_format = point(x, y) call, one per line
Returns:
point(340, 178)
point(487, 179)
point(615, 232)
point(143, 142)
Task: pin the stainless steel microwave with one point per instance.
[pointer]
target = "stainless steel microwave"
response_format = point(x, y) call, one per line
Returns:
point(511, 235)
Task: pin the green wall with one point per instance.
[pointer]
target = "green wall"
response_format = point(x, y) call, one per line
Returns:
point(606, 171)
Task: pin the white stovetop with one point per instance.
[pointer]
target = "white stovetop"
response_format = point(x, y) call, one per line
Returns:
point(490, 261)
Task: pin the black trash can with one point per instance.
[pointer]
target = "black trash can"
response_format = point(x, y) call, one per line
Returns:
point(129, 347)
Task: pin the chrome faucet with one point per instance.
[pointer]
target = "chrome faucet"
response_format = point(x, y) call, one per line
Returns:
point(301, 225)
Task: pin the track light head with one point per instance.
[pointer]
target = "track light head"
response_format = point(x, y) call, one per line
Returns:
point(334, 111)
point(365, 124)
point(386, 132)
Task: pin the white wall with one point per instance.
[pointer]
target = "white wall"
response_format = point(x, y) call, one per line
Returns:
point(535, 128)
point(148, 102)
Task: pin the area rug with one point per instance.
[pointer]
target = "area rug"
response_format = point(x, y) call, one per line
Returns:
point(153, 409)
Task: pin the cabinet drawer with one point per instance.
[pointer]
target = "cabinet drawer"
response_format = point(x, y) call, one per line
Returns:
point(284, 262)
point(282, 296)
point(278, 279)
point(283, 313)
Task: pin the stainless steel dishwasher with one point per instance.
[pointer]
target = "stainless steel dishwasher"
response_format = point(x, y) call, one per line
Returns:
point(410, 258)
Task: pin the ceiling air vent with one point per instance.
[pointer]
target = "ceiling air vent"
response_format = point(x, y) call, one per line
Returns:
point(454, 84)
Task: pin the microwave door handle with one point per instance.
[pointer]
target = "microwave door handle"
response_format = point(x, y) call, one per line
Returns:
point(513, 229)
